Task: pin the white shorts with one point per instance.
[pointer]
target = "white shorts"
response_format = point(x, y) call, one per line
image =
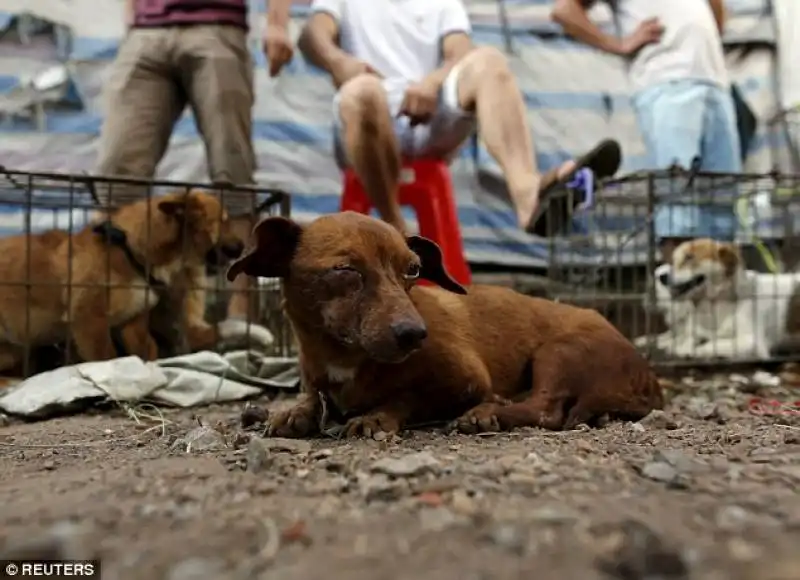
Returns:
point(441, 138)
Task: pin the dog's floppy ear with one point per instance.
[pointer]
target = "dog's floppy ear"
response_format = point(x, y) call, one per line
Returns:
point(729, 257)
point(430, 254)
point(276, 240)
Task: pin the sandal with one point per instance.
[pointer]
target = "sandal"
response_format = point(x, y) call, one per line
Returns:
point(601, 162)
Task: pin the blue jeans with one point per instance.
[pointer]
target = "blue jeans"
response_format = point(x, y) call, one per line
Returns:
point(681, 120)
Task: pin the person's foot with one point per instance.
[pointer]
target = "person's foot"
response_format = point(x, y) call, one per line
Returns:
point(603, 160)
point(528, 199)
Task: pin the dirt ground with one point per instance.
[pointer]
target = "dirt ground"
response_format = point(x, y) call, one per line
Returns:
point(706, 490)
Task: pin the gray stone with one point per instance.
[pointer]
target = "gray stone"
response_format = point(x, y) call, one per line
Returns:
point(201, 439)
point(407, 465)
point(660, 471)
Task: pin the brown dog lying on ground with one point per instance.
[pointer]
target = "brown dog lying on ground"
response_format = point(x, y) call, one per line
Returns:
point(110, 275)
point(386, 353)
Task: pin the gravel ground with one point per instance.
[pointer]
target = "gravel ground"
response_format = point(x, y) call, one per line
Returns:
point(707, 489)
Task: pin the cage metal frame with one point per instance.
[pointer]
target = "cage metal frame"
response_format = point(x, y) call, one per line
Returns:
point(623, 291)
point(43, 192)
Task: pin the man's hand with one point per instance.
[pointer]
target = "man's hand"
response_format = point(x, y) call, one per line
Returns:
point(348, 68)
point(648, 32)
point(277, 47)
point(420, 101)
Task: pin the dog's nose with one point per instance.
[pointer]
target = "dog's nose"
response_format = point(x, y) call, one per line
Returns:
point(409, 335)
point(234, 250)
point(663, 279)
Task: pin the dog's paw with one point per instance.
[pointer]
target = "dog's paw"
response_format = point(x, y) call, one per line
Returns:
point(371, 424)
point(235, 329)
point(299, 421)
point(480, 419)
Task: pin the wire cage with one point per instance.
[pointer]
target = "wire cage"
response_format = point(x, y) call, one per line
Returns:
point(705, 303)
point(93, 268)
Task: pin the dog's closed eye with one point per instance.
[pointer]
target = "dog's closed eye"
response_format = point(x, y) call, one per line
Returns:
point(345, 276)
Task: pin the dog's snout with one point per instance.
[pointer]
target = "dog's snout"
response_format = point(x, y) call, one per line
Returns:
point(233, 250)
point(664, 279)
point(408, 334)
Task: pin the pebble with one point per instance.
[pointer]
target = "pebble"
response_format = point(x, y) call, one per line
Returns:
point(462, 503)
point(508, 537)
point(437, 519)
point(201, 439)
point(197, 569)
point(637, 552)
point(659, 419)
point(381, 488)
point(407, 465)
point(732, 517)
point(660, 471)
point(258, 457)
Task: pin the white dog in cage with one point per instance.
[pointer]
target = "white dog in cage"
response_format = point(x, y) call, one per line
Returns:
point(715, 308)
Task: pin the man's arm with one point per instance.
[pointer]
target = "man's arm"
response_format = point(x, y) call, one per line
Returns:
point(130, 13)
point(454, 46)
point(718, 9)
point(454, 30)
point(319, 40)
point(571, 15)
point(278, 12)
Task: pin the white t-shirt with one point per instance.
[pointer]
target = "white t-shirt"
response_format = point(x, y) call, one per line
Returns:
point(690, 47)
point(401, 39)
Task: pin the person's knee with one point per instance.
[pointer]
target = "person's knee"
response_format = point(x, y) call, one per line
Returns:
point(363, 100)
point(483, 66)
point(487, 62)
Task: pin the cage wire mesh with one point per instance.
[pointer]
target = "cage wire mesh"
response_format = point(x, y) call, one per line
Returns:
point(701, 309)
point(93, 268)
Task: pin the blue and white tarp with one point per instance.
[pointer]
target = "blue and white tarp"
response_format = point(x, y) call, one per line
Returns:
point(575, 95)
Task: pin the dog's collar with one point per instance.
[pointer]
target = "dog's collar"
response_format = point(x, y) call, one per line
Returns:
point(116, 236)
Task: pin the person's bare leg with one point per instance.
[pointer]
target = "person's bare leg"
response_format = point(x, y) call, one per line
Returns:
point(370, 144)
point(487, 87)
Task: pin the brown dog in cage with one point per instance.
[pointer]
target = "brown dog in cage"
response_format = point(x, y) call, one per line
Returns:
point(107, 278)
point(385, 353)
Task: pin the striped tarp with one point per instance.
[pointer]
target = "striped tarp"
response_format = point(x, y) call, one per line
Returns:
point(575, 96)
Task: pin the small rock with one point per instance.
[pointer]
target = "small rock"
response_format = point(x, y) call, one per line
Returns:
point(5, 420)
point(197, 569)
point(765, 379)
point(381, 488)
point(201, 439)
point(294, 446)
point(254, 416)
point(430, 499)
point(63, 541)
point(258, 456)
point(702, 409)
point(554, 515)
point(660, 471)
point(321, 454)
point(508, 537)
point(463, 504)
point(335, 484)
point(763, 454)
point(659, 419)
point(437, 519)
point(732, 517)
point(407, 465)
point(634, 551)
point(637, 427)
